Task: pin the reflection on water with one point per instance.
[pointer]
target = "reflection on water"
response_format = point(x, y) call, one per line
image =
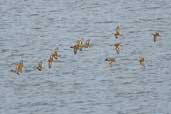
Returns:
point(85, 83)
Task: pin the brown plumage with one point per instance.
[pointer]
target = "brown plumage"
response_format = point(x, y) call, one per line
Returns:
point(50, 61)
point(141, 61)
point(87, 44)
point(56, 54)
point(117, 47)
point(156, 36)
point(76, 48)
point(117, 33)
point(40, 66)
point(110, 60)
point(19, 67)
point(79, 43)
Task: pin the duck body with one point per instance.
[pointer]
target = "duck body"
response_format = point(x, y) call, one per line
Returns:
point(141, 61)
point(56, 54)
point(40, 66)
point(110, 60)
point(87, 44)
point(117, 33)
point(50, 61)
point(19, 68)
point(156, 36)
point(117, 47)
point(80, 44)
point(75, 48)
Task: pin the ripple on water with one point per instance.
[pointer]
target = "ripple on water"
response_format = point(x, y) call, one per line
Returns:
point(85, 83)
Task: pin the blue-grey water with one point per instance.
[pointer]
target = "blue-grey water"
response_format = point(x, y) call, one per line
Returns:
point(85, 83)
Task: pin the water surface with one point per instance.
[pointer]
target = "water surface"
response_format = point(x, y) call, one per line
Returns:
point(85, 83)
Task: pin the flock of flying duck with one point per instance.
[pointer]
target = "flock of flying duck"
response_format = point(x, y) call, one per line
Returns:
point(78, 46)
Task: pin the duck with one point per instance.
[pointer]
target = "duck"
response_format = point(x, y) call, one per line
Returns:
point(141, 60)
point(110, 60)
point(117, 32)
point(156, 36)
point(50, 61)
point(56, 54)
point(19, 67)
point(80, 44)
point(117, 47)
point(40, 66)
point(76, 48)
point(87, 44)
